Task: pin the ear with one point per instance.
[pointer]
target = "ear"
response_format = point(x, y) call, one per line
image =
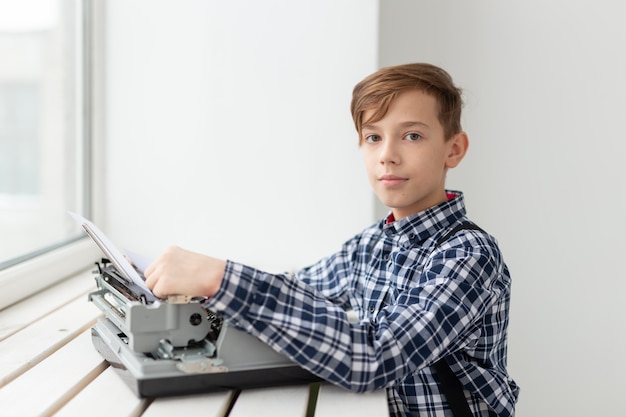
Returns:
point(457, 148)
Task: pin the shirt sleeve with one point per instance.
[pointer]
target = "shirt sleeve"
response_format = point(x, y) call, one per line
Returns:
point(330, 275)
point(426, 322)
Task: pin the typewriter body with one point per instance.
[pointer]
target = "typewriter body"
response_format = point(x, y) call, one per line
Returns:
point(174, 346)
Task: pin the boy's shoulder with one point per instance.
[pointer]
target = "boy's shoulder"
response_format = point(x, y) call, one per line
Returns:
point(463, 225)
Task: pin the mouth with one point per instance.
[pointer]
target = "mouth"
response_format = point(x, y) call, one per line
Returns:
point(391, 180)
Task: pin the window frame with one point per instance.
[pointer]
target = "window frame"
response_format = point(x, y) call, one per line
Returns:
point(43, 268)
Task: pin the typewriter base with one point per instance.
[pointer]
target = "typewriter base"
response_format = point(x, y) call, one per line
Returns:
point(162, 379)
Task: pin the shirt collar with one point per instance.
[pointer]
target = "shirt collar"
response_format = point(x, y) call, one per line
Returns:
point(419, 227)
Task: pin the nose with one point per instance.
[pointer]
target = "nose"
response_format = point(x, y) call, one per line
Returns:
point(389, 153)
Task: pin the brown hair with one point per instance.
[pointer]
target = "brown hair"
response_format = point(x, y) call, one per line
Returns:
point(379, 89)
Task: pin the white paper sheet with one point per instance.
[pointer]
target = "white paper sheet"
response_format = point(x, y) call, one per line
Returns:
point(111, 251)
point(141, 262)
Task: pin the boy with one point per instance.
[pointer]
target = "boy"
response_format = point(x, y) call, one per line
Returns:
point(430, 288)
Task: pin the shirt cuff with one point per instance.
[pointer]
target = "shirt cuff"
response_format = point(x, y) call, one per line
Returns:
point(232, 300)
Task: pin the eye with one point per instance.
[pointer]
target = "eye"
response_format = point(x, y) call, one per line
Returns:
point(413, 137)
point(372, 138)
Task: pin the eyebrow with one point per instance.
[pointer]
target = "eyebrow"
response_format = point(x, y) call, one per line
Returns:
point(406, 124)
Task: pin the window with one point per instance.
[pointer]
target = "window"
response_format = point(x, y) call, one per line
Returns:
point(44, 143)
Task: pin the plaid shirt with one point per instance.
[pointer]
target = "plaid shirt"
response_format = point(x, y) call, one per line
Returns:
point(416, 301)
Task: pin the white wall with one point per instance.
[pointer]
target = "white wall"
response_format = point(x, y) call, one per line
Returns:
point(546, 96)
point(228, 132)
point(228, 128)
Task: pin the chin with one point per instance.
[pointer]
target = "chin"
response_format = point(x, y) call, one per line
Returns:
point(386, 202)
point(392, 203)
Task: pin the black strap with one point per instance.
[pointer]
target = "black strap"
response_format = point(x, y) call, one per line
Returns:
point(450, 384)
point(457, 228)
point(452, 389)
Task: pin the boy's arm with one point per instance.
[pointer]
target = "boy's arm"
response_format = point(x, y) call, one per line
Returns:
point(330, 275)
point(425, 323)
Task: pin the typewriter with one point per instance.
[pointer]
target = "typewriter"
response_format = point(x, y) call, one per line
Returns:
point(175, 346)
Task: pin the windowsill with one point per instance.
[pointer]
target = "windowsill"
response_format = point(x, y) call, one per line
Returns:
point(27, 278)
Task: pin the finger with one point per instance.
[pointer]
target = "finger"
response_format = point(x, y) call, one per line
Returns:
point(152, 277)
point(149, 270)
point(157, 291)
point(156, 266)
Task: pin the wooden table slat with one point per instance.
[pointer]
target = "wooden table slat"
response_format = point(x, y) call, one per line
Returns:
point(39, 390)
point(333, 401)
point(28, 347)
point(272, 402)
point(24, 313)
point(106, 396)
point(214, 404)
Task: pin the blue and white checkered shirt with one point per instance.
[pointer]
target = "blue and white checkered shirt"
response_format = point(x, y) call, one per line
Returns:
point(416, 301)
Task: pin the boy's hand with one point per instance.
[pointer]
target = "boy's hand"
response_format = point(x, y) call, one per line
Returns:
point(181, 272)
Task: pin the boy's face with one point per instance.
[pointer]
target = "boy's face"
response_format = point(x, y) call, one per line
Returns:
point(407, 156)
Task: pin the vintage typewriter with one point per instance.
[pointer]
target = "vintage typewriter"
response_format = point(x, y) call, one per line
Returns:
point(174, 346)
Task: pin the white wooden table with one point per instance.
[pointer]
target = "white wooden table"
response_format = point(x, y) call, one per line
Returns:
point(48, 366)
